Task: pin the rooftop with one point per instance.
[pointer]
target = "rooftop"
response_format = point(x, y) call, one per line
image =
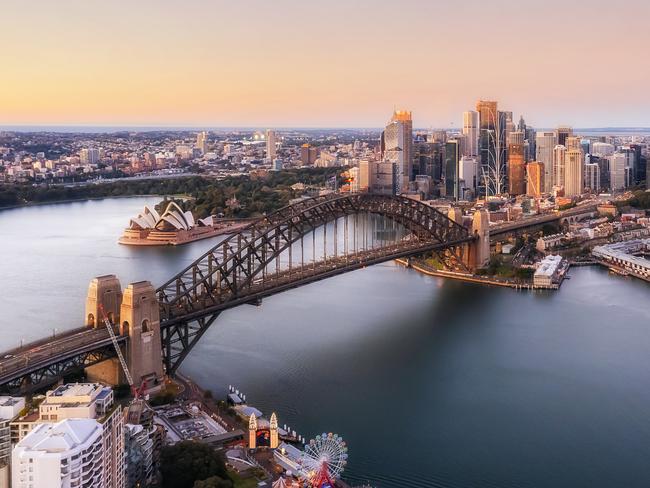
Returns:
point(60, 437)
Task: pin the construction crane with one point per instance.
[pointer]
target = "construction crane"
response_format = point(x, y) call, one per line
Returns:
point(137, 392)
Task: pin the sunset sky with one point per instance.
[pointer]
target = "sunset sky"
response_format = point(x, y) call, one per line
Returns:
point(334, 63)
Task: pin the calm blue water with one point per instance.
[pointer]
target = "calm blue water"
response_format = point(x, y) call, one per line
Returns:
point(433, 383)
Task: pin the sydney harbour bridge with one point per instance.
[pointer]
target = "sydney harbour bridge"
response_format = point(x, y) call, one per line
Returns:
point(311, 240)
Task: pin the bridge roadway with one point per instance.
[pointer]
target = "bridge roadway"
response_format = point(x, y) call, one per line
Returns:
point(500, 229)
point(77, 345)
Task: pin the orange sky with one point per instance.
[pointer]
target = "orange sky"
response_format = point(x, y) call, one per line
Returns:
point(330, 63)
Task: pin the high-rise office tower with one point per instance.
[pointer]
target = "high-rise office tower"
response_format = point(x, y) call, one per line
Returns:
point(603, 169)
point(573, 142)
point(508, 124)
point(467, 176)
point(545, 142)
point(535, 172)
point(491, 147)
point(471, 130)
point(562, 133)
point(617, 173)
point(521, 126)
point(630, 162)
point(397, 147)
point(516, 165)
point(452, 161)
point(640, 163)
point(530, 137)
point(516, 137)
point(559, 165)
point(202, 142)
point(574, 173)
point(270, 144)
point(592, 177)
point(585, 145)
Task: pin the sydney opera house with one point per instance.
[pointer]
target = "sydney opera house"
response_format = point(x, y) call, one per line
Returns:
point(173, 227)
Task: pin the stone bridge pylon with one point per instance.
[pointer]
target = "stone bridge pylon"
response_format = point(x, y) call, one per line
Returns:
point(137, 312)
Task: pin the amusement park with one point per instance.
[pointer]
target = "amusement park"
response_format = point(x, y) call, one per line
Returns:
point(291, 459)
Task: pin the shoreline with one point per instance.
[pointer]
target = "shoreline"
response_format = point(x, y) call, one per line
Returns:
point(470, 278)
point(86, 199)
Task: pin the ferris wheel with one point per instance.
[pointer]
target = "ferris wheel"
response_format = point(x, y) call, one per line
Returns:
point(325, 457)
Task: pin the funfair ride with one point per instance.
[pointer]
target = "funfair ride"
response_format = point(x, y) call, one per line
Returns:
point(324, 460)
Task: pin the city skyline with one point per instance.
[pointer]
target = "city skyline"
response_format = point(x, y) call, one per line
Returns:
point(288, 64)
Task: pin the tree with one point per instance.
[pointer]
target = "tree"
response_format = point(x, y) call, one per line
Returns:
point(187, 462)
point(213, 482)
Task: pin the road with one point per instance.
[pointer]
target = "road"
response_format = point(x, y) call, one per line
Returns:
point(37, 354)
point(541, 219)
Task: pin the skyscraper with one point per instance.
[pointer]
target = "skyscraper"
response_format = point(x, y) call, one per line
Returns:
point(491, 145)
point(202, 141)
point(617, 171)
point(397, 147)
point(471, 131)
point(535, 172)
point(592, 177)
point(574, 173)
point(516, 164)
point(452, 161)
point(573, 142)
point(467, 169)
point(545, 142)
point(559, 165)
point(270, 144)
point(562, 133)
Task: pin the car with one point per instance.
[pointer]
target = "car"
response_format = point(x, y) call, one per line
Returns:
point(8, 356)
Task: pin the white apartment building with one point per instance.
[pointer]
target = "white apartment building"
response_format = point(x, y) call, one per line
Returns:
point(10, 407)
point(81, 401)
point(67, 454)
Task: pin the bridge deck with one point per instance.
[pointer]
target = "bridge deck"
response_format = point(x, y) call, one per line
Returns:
point(23, 360)
point(187, 309)
point(504, 228)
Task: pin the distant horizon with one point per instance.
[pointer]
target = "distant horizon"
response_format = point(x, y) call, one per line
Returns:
point(114, 128)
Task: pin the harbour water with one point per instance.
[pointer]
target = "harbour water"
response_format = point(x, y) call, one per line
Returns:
point(433, 383)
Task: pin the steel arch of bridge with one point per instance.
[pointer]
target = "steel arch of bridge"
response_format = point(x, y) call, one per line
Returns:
point(235, 271)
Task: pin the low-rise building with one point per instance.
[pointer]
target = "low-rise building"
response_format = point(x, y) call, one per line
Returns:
point(548, 272)
point(624, 255)
point(547, 243)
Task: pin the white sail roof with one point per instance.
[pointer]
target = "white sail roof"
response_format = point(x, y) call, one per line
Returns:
point(173, 217)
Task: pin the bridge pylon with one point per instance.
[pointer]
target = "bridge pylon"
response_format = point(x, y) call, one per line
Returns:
point(479, 250)
point(136, 311)
point(103, 291)
point(140, 320)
